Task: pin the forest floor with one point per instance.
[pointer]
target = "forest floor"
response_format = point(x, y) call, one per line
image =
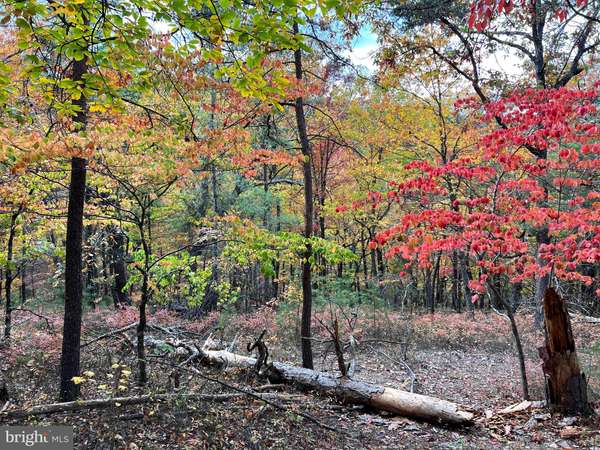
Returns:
point(457, 357)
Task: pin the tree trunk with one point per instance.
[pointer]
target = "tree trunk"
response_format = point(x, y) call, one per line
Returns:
point(456, 303)
point(382, 398)
point(307, 357)
point(9, 275)
point(542, 283)
point(118, 268)
point(22, 276)
point(520, 353)
point(566, 386)
point(515, 332)
point(466, 277)
point(69, 361)
point(141, 328)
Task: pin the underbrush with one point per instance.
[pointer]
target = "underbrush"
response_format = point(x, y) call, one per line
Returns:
point(34, 351)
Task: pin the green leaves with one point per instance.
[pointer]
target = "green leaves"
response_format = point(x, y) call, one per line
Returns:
point(242, 35)
point(255, 244)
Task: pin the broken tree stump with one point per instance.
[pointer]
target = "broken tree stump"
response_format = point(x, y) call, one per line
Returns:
point(566, 386)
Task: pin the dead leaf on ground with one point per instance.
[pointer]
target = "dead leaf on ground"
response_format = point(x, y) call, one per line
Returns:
point(522, 406)
point(570, 432)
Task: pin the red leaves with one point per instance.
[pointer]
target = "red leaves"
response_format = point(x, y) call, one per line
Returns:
point(483, 11)
point(263, 156)
point(509, 193)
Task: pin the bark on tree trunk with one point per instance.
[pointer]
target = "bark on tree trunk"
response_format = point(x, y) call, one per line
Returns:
point(145, 297)
point(542, 283)
point(515, 332)
point(69, 361)
point(466, 277)
point(307, 357)
point(9, 276)
point(118, 268)
point(22, 276)
point(566, 386)
point(141, 328)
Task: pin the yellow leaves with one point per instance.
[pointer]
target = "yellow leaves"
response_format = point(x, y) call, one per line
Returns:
point(78, 380)
point(97, 107)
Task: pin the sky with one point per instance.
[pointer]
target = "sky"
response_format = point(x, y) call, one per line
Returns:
point(364, 47)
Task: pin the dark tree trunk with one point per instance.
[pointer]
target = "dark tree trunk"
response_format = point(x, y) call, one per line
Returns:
point(363, 258)
point(542, 283)
point(307, 357)
point(374, 273)
point(22, 276)
point(32, 279)
point(456, 303)
point(516, 296)
point(119, 268)
point(69, 361)
point(566, 386)
point(277, 266)
point(213, 169)
point(435, 287)
point(141, 329)
point(8, 275)
point(428, 290)
point(466, 277)
point(515, 332)
point(520, 353)
point(380, 261)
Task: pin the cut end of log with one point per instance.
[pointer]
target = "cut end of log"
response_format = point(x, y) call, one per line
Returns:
point(420, 406)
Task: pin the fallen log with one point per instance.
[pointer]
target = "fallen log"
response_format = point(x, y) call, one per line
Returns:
point(100, 403)
point(396, 401)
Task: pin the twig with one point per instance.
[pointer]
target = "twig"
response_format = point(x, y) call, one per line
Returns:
point(50, 326)
point(262, 398)
point(231, 346)
point(110, 334)
point(127, 328)
point(402, 363)
point(123, 401)
point(266, 387)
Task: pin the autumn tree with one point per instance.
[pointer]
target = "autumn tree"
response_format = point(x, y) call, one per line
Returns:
point(504, 202)
point(534, 33)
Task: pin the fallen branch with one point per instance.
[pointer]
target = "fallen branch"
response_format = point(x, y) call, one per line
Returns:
point(127, 328)
point(110, 334)
point(126, 401)
point(351, 391)
point(263, 397)
point(48, 322)
point(586, 319)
